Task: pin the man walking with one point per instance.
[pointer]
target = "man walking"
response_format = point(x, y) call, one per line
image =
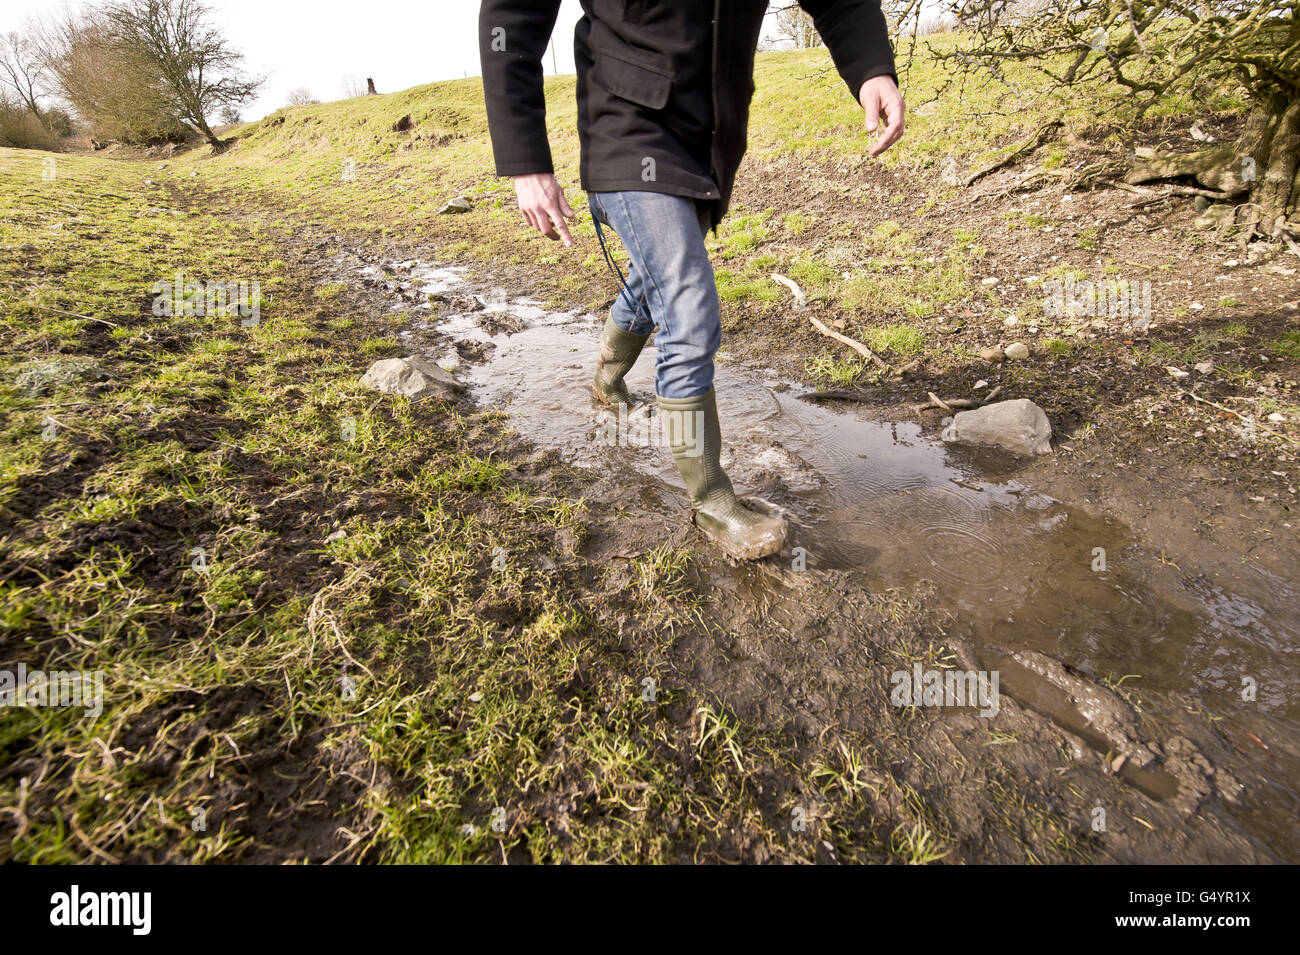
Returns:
point(664, 88)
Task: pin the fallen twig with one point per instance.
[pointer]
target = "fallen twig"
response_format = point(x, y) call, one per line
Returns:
point(800, 299)
point(1238, 414)
point(935, 399)
point(88, 318)
point(952, 405)
point(1031, 143)
point(858, 347)
point(837, 395)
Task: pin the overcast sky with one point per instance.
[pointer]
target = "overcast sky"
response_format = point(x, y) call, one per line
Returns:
point(316, 43)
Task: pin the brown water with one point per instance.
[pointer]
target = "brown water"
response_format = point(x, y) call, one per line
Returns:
point(892, 507)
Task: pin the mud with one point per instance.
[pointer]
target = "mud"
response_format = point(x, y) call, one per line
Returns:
point(1069, 604)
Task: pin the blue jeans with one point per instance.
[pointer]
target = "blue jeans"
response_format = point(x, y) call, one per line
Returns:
point(670, 284)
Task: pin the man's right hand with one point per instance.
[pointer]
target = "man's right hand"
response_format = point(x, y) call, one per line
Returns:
point(541, 199)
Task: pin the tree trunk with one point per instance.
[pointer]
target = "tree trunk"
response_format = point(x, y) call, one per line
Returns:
point(212, 139)
point(1274, 193)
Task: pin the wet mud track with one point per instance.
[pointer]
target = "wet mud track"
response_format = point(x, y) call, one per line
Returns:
point(1122, 668)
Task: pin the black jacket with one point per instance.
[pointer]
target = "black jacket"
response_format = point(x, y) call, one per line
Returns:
point(663, 85)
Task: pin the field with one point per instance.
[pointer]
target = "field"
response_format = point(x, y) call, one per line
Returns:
point(339, 626)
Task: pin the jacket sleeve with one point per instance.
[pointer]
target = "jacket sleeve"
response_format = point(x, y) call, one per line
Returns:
point(513, 35)
point(857, 36)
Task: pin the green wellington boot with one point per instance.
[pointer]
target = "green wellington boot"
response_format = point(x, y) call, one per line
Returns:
point(618, 353)
point(695, 437)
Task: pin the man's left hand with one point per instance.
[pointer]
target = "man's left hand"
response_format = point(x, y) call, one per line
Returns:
point(880, 96)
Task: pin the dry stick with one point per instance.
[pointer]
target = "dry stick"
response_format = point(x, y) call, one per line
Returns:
point(939, 401)
point(800, 299)
point(89, 318)
point(938, 404)
point(1258, 427)
point(840, 395)
point(858, 347)
point(1031, 143)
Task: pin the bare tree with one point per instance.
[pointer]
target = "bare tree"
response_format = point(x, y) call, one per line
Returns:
point(23, 70)
point(197, 69)
point(115, 95)
point(301, 97)
point(1157, 49)
point(795, 26)
point(353, 86)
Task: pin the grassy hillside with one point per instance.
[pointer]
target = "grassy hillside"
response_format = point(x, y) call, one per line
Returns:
point(894, 252)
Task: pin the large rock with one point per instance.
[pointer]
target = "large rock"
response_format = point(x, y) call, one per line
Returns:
point(414, 377)
point(1018, 426)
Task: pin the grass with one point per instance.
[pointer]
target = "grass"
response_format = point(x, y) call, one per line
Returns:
point(308, 603)
point(1287, 345)
point(330, 624)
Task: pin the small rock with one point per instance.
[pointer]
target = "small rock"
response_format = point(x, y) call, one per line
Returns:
point(1010, 320)
point(414, 377)
point(949, 174)
point(458, 205)
point(336, 536)
point(992, 354)
point(1017, 351)
point(1204, 367)
point(1277, 417)
point(981, 384)
point(1177, 372)
point(1018, 426)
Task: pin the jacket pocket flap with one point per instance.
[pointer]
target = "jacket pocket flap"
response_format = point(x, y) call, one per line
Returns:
point(642, 83)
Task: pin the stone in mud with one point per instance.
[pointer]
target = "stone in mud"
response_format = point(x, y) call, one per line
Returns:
point(1017, 351)
point(458, 205)
point(1018, 426)
point(414, 377)
point(991, 354)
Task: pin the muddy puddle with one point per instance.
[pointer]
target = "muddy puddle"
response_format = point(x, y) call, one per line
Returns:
point(891, 507)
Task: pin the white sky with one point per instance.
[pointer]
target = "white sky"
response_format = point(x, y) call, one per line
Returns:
point(316, 43)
